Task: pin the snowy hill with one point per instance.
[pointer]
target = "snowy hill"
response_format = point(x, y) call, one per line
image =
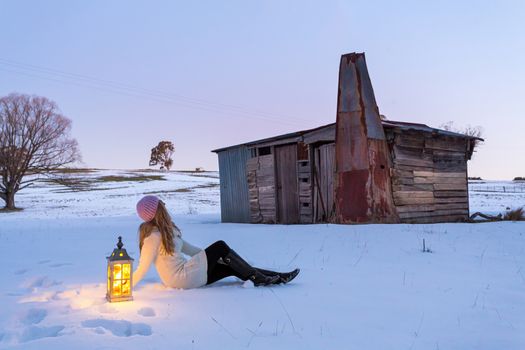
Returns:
point(110, 193)
point(360, 287)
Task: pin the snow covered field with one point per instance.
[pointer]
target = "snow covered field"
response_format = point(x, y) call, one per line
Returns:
point(360, 287)
point(494, 197)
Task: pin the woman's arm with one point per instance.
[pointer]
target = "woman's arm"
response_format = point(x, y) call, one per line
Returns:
point(147, 256)
point(189, 249)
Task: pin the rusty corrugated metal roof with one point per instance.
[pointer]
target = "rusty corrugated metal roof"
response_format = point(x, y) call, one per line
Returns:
point(424, 128)
point(275, 138)
point(385, 123)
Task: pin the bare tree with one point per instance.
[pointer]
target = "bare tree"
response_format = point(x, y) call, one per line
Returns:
point(34, 140)
point(161, 154)
point(469, 130)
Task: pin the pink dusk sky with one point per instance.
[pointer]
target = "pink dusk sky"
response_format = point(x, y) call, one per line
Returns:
point(208, 74)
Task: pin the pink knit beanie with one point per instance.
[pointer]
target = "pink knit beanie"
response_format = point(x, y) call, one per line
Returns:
point(147, 207)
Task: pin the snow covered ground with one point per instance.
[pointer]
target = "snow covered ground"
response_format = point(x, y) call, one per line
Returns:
point(494, 197)
point(360, 287)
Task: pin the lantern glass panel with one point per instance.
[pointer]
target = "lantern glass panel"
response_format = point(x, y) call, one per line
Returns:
point(126, 271)
point(117, 271)
point(125, 288)
point(116, 288)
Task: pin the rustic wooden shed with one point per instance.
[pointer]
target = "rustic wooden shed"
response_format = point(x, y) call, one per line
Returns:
point(291, 178)
point(374, 171)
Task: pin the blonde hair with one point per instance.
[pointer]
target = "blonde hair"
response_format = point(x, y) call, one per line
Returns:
point(162, 222)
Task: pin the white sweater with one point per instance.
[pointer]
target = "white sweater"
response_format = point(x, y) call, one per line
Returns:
point(174, 270)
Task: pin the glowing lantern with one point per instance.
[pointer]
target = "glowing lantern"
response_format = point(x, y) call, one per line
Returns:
point(120, 267)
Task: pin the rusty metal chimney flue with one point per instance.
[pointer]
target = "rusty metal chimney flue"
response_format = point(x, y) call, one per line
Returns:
point(363, 187)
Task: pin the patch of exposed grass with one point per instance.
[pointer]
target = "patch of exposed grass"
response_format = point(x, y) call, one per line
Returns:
point(209, 174)
point(141, 178)
point(75, 170)
point(208, 185)
point(185, 189)
point(514, 215)
point(182, 190)
point(73, 183)
point(81, 184)
point(89, 189)
point(178, 190)
point(144, 170)
point(5, 210)
point(69, 171)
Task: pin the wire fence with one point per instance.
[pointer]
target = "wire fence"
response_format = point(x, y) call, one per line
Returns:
point(510, 188)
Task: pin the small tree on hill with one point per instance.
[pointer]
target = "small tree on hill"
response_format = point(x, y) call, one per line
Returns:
point(34, 140)
point(161, 155)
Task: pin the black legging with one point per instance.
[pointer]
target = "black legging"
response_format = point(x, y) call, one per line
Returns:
point(216, 270)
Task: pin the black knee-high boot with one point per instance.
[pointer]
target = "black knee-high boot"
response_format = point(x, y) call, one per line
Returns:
point(284, 277)
point(246, 271)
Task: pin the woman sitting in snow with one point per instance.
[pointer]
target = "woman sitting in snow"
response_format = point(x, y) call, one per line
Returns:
point(160, 241)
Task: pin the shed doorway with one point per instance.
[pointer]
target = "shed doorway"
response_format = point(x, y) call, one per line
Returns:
point(286, 181)
point(324, 176)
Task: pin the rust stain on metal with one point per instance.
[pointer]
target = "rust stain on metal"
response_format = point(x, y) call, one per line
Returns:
point(363, 188)
point(355, 187)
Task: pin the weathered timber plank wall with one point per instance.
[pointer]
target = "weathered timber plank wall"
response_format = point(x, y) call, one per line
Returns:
point(234, 187)
point(261, 186)
point(429, 178)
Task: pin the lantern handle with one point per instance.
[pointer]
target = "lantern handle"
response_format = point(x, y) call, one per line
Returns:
point(120, 244)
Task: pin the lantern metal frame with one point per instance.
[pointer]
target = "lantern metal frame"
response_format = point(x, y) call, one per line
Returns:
point(119, 274)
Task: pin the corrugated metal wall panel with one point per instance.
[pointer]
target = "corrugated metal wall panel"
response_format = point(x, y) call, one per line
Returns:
point(234, 185)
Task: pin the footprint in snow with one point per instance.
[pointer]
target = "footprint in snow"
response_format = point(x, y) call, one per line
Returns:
point(36, 332)
point(42, 297)
point(119, 328)
point(33, 316)
point(147, 312)
point(60, 264)
point(39, 282)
